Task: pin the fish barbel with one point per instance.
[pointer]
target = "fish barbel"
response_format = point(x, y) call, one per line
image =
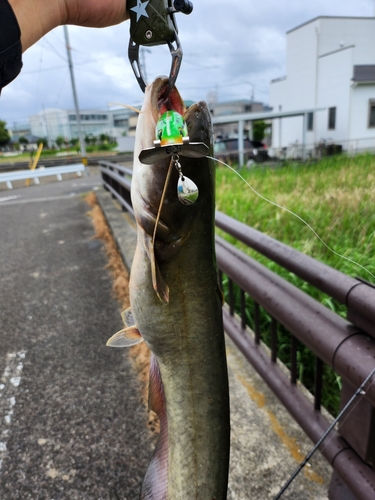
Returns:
point(176, 309)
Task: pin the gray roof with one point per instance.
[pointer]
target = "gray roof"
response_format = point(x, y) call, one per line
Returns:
point(364, 73)
point(31, 138)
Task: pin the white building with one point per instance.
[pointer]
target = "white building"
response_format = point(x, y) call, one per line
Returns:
point(330, 64)
point(226, 130)
point(52, 123)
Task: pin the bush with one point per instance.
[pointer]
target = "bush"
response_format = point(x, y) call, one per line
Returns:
point(335, 196)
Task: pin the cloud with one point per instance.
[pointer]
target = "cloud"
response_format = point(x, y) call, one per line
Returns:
point(231, 48)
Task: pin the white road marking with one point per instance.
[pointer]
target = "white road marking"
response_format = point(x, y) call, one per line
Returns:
point(39, 200)
point(94, 185)
point(10, 381)
point(8, 198)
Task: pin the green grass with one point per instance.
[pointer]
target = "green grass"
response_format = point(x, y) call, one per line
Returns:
point(49, 154)
point(13, 159)
point(336, 197)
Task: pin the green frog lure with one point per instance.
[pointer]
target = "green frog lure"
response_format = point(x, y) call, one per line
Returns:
point(171, 139)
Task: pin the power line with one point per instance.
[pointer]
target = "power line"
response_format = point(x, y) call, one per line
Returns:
point(42, 70)
point(54, 50)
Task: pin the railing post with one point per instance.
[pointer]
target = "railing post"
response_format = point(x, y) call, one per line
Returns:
point(304, 129)
point(241, 155)
point(358, 427)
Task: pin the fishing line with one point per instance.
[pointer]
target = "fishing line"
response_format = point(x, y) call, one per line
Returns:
point(359, 392)
point(162, 198)
point(132, 108)
point(295, 215)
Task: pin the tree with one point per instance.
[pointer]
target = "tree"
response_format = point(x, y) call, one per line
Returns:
point(259, 128)
point(104, 138)
point(4, 134)
point(60, 140)
point(23, 140)
point(44, 141)
point(90, 139)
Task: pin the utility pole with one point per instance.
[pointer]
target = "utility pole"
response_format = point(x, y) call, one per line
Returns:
point(78, 116)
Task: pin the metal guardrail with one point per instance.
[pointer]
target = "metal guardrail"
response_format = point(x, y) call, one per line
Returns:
point(117, 180)
point(8, 177)
point(346, 345)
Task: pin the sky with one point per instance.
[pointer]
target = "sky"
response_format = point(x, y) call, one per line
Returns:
point(232, 50)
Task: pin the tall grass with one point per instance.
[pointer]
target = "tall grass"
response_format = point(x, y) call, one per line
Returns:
point(336, 196)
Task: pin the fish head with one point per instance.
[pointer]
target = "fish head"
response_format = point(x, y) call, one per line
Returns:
point(149, 181)
point(157, 101)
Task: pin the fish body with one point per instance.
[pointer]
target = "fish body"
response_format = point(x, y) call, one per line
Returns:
point(176, 305)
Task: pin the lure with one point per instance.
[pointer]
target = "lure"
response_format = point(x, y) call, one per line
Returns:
point(171, 129)
point(172, 139)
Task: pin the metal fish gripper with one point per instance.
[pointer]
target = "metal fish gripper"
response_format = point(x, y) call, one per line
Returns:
point(152, 22)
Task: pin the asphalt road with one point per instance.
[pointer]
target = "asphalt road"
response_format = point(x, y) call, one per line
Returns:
point(71, 422)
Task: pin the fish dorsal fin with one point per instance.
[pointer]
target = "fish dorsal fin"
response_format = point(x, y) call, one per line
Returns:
point(158, 282)
point(127, 317)
point(126, 337)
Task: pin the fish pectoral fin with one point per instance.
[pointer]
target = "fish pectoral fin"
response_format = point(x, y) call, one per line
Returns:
point(127, 317)
point(126, 337)
point(158, 282)
point(155, 483)
point(148, 221)
point(156, 397)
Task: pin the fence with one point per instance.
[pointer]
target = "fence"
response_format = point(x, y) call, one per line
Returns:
point(295, 151)
point(345, 345)
point(9, 177)
point(328, 147)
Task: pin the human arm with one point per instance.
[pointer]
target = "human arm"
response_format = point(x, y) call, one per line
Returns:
point(10, 45)
point(24, 22)
point(38, 17)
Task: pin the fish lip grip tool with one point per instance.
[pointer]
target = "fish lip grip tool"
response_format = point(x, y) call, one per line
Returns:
point(152, 22)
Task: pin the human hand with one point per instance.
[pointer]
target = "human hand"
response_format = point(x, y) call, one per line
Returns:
point(38, 17)
point(93, 13)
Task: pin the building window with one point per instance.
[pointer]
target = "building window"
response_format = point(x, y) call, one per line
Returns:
point(371, 114)
point(331, 118)
point(310, 121)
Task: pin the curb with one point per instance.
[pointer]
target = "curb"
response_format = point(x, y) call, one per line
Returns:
point(122, 225)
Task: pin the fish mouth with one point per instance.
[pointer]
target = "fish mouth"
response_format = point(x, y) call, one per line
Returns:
point(166, 99)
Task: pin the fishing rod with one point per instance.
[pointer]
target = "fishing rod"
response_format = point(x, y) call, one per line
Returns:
point(359, 392)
